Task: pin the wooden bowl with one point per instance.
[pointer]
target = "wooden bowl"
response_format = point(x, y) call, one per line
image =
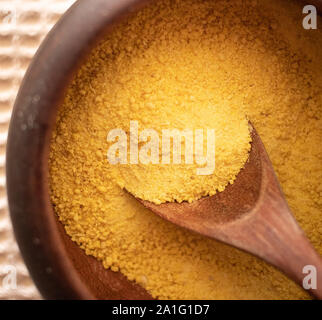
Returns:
point(59, 268)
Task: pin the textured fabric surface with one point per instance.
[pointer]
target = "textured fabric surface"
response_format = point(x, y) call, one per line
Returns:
point(23, 25)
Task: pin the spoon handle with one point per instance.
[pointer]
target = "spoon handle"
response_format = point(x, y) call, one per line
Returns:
point(282, 242)
point(275, 236)
point(271, 233)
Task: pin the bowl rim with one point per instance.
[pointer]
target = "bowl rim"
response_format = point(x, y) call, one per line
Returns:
point(29, 134)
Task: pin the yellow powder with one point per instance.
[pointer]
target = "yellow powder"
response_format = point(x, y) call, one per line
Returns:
point(179, 64)
point(177, 182)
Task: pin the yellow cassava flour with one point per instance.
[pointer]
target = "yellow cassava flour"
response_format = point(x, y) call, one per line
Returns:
point(198, 65)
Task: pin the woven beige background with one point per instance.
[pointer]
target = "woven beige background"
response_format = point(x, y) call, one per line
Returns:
point(23, 25)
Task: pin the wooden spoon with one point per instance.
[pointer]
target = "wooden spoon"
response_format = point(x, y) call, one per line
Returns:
point(251, 214)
